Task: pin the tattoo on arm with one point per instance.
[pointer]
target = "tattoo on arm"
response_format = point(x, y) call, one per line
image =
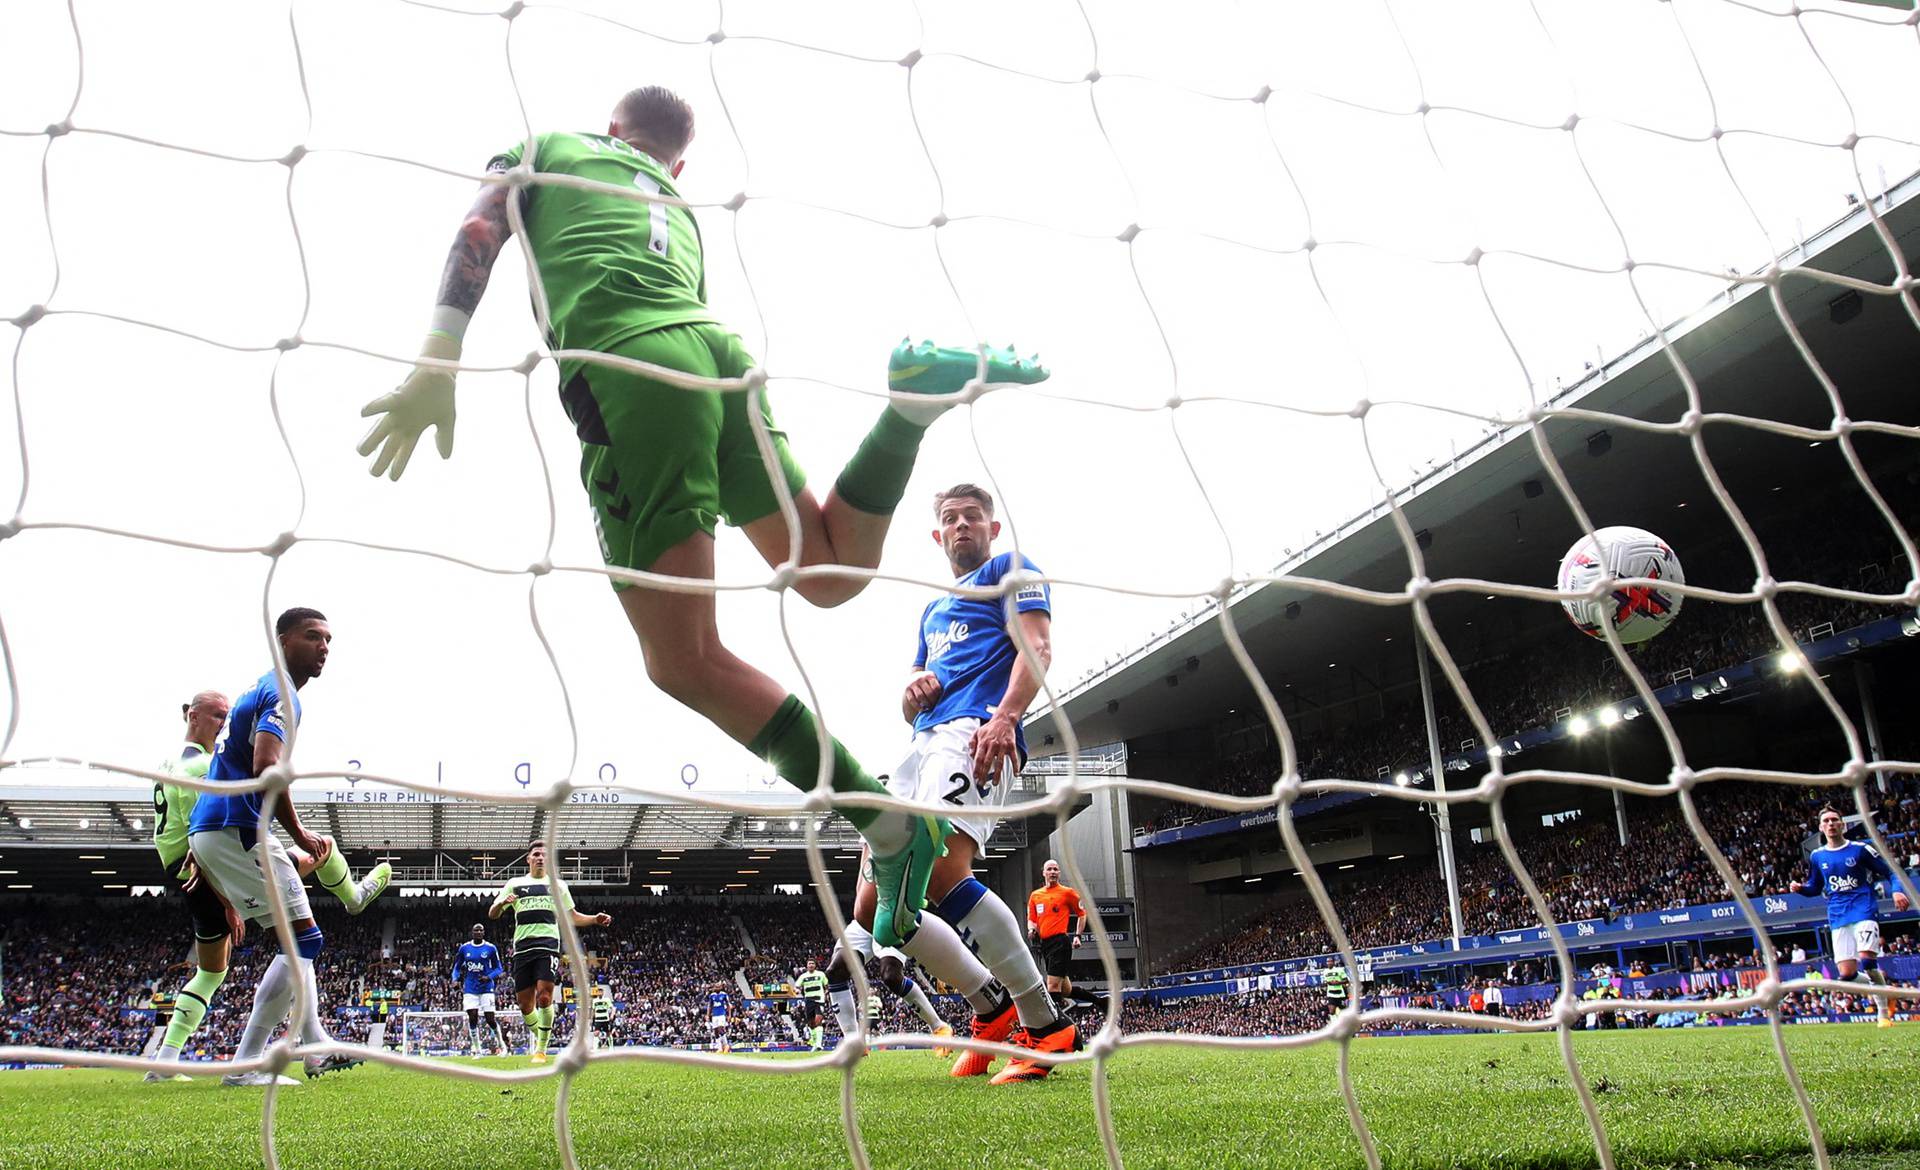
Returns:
point(470, 261)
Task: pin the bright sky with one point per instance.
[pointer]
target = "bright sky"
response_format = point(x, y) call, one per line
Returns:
point(804, 107)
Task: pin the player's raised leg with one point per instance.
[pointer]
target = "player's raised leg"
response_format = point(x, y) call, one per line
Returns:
point(850, 528)
point(336, 878)
point(685, 657)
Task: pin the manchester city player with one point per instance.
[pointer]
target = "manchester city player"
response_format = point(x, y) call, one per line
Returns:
point(215, 926)
point(969, 688)
point(622, 272)
point(536, 902)
point(813, 988)
point(228, 847)
point(475, 966)
point(1845, 873)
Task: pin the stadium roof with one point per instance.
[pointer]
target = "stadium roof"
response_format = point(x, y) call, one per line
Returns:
point(67, 825)
point(1484, 524)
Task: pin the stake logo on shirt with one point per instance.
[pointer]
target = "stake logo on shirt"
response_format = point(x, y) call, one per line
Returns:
point(941, 641)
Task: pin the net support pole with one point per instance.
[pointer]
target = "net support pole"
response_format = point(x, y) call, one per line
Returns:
point(1443, 812)
point(1869, 718)
point(1619, 801)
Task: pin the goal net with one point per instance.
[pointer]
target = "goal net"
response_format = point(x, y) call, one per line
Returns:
point(1302, 271)
point(447, 1034)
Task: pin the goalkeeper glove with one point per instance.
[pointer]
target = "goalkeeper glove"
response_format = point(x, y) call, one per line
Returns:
point(424, 400)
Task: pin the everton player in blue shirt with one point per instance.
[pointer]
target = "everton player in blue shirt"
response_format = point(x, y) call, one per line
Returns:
point(1845, 873)
point(969, 689)
point(717, 1004)
point(475, 966)
point(228, 847)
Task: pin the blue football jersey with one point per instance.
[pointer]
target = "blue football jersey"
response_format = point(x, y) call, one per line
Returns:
point(965, 643)
point(717, 1005)
point(475, 966)
point(255, 713)
point(1846, 875)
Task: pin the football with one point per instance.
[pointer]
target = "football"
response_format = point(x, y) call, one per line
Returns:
point(1636, 612)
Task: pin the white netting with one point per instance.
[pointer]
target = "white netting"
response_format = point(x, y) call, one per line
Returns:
point(1186, 377)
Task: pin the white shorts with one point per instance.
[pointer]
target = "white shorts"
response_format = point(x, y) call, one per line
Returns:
point(862, 940)
point(940, 769)
point(1850, 942)
point(236, 873)
point(482, 1000)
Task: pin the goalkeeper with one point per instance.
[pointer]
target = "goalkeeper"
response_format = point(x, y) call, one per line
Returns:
point(662, 466)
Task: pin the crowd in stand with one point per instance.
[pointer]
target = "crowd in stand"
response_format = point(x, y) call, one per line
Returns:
point(74, 978)
point(1580, 867)
point(1298, 1010)
point(783, 942)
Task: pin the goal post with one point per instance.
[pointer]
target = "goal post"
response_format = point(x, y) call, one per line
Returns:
point(435, 1033)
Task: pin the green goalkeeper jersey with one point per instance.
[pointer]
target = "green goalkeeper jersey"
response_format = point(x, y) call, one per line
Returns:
point(613, 266)
point(536, 926)
point(173, 805)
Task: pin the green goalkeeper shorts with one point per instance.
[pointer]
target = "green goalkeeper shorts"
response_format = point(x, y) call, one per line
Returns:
point(661, 463)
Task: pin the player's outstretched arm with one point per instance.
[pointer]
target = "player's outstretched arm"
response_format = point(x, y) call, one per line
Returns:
point(580, 919)
point(425, 399)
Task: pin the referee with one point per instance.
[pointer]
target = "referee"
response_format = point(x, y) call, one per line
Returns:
point(1048, 910)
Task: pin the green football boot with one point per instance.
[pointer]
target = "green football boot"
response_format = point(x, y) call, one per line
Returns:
point(941, 372)
point(900, 880)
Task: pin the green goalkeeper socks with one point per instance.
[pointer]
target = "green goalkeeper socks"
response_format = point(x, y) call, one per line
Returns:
point(791, 743)
point(189, 1008)
point(876, 477)
point(337, 877)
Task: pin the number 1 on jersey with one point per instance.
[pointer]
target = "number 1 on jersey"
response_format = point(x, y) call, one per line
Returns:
point(657, 237)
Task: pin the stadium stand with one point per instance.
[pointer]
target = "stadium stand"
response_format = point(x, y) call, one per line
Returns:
point(90, 974)
point(1579, 866)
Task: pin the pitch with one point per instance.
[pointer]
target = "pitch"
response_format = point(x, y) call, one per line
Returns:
point(1697, 1098)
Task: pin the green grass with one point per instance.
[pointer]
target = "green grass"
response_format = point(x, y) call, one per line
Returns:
point(1704, 1098)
